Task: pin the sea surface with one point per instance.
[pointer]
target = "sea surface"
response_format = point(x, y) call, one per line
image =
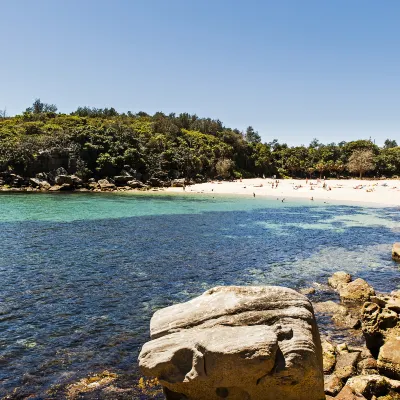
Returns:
point(81, 274)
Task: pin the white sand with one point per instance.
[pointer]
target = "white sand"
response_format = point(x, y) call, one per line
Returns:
point(383, 192)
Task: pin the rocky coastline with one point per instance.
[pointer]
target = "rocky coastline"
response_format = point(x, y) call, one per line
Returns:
point(359, 333)
point(59, 180)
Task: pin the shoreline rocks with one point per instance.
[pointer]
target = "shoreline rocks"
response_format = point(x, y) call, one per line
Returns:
point(396, 251)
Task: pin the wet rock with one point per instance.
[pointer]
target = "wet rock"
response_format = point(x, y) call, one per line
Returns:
point(356, 291)
point(346, 364)
point(396, 251)
point(90, 384)
point(339, 279)
point(254, 343)
point(307, 291)
point(332, 385)
point(55, 188)
point(368, 385)
point(389, 358)
point(339, 313)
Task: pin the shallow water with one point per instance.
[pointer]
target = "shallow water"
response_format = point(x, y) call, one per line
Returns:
point(81, 274)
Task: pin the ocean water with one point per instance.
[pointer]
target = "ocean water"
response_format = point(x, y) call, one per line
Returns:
point(81, 274)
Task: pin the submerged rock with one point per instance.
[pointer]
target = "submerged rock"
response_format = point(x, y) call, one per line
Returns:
point(396, 251)
point(254, 343)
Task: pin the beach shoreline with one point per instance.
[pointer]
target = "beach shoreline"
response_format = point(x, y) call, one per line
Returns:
point(379, 192)
point(368, 192)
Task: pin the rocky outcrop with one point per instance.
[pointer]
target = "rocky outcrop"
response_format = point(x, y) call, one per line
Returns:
point(251, 343)
point(389, 358)
point(381, 324)
point(41, 184)
point(105, 185)
point(356, 291)
point(396, 251)
point(178, 182)
point(339, 279)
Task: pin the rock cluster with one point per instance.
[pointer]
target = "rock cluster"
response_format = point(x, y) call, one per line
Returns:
point(371, 372)
point(254, 343)
point(60, 180)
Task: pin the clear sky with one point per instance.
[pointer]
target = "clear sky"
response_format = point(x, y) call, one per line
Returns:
point(294, 70)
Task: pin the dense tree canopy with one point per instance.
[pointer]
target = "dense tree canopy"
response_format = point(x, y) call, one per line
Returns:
point(102, 142)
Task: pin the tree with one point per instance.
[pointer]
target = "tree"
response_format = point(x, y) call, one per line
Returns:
point(252, 136)
point(3, 113)
point(361, 161)
point(224, 168)
point(39, 108)
point(389, 144)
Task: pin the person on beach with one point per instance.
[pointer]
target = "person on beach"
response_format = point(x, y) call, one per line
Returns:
point(254, 195)
point(312, 198)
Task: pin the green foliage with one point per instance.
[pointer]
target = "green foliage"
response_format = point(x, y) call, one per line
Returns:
point(104, 142)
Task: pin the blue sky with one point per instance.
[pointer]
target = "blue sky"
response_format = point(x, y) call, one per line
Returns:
point(294, 70)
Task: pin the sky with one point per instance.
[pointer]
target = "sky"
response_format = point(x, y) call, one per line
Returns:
point(293, 69)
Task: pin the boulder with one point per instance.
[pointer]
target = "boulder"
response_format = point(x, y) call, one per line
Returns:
point(356, 291)
point(396, 251)
point(63, 179)
point(367, 366)
point(135, 184)
point(346, 364)
point(333, 385)
point(328, 356)
point(155, 182)
point(348, 394)
point(178, 182)
point(254, 343)
point(76, 181)
point(380, 321)
point(55, 188)
point(122, 179)
point(389, 358)
point(35, 182)
point(339, 279)
point(105, 185)
point(368, 385)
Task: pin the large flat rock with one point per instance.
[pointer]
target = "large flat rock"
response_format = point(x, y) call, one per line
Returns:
point(255, 343)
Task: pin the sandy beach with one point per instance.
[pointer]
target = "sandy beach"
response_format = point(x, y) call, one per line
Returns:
point(383, 192)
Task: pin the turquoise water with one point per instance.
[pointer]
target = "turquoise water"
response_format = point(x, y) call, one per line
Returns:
point(81, 274)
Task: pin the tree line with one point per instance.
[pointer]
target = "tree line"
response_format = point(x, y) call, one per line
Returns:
point(104, 142)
